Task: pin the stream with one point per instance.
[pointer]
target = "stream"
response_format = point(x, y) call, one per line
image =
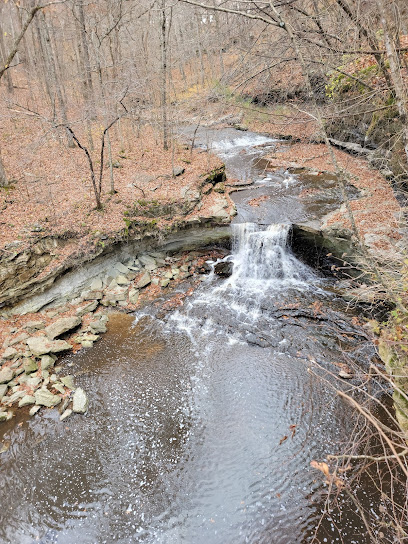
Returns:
point(203, 421)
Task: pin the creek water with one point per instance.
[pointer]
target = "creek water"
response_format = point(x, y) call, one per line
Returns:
point(202, 422)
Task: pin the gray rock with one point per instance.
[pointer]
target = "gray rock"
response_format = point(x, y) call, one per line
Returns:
point(9, 353)
point(92, 295)
point(164, 283)
point(14, 397)
point(32, 326)
point(90, 307)
point(133, 296)
point(80, 401)
point(97, 327)
point(6, 375)
point(47, 362)
point(3, 416)
point(178, 171)
point(122, 280)
point(121, 268)
point(34, 410)
point(224, 269)
point(68, 381)
point(20, 338)
point(96, 284)
point(144, 281)
point(86, 343)
point(33, 382)
point(59, 387)
point(43, 397)
point(65, 414)
point(62, 325)
point(39, 345)
point(3, 390)
point(147, 260)
point(26, 401)
point(30, 366)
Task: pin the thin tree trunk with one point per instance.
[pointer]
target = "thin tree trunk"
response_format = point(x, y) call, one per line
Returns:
point(164, 75)
point(3, 177)
point(9, 80)
point(50, 60)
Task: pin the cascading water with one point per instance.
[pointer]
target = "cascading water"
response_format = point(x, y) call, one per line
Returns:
point(263, 256)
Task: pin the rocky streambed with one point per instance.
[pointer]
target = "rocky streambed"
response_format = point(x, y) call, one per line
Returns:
point(29, 372)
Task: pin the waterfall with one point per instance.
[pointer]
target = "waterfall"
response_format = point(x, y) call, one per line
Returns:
point(263, 257)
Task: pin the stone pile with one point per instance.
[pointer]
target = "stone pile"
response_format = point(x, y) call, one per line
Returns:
point(28, 375)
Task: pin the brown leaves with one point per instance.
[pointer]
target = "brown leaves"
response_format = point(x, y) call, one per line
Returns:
point(292, 429)
point(331, 478)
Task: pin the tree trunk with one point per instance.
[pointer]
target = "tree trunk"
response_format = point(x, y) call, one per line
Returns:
point(3, 57)
point(164, 75)
point(3, 177)
point(53, 75)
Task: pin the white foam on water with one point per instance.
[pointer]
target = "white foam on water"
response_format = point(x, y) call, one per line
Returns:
point(262, 258)
point(236, 145)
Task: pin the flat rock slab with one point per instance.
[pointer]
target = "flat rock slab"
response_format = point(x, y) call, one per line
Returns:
point(80, 401)
point(27, 400)
point(39, 345)
point(68, 381)
point(144, 281)
point(9, 354)
point(6, 375)
point(46, 398)
point(62, 325)
point(3, 390)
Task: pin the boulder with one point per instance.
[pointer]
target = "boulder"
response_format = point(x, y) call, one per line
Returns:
point(147, 260)
point(17, 395)
point(90, 307)
point(122, 280)
point(3, 416)
point(32, 326)
point(96, 284)
point(59, 387)
point(39, 345)
point(97, 327)
point(46, 362)
point(33, 382)
point(178, 171)
point(65, 414)
point(133, 296)
point(92, 295)
point(6, 375)
point(30, 366)
point(121, 268)
point(43, 397)
point(68, 381)
point(34, 410)
point(26, 401)
point(3, 390)
point(144, 281)
point(62, 325)
point(224, 269)
point(80, 401)
point(9, 354)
